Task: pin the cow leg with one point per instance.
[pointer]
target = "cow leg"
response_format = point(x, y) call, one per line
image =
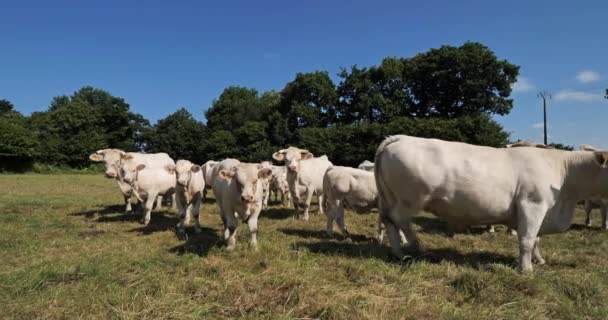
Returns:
point(320, 198)
point(295, 200)
point(196, 210)
point(401, 216)
point(230, 225)
point(159, 203)
point(604, 211)
point(252, 222)
point(307, 201)
point(536, 253)
point(331, 215)
point(588, 208)
point(340, 220)
point(530, 217)
point(491, 228)
point(182, 214)
point(381, 228)
point(128, 208)
point(148, 208)
point(204, 194)
point(173, 204)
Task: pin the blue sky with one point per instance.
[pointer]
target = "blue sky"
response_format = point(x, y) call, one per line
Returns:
point(160, 55)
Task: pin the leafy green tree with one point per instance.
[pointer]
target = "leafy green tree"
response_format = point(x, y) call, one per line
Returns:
point(308, 100)
point(89, 120)
point(235, 106)
point(456, 81)
point(17, 142)
point(179, 135)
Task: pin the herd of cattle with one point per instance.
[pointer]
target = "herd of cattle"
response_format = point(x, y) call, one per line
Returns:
point(528, 187)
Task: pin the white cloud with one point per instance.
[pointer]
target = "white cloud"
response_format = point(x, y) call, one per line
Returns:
point(577, 96)
point(538, 125)
point(522, 85)
point(586, 76)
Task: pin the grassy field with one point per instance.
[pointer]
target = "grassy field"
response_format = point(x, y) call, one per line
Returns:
point(67, 251)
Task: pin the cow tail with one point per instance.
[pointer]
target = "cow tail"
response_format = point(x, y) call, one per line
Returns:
point(386, 199)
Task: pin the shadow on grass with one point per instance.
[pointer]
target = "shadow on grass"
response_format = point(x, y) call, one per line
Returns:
point(89, 214)
point(198, 243)
point(159, 222)
point(277, 213)
point(436, 226)
point(321, 234)
point(582, 227)
point(476, 260)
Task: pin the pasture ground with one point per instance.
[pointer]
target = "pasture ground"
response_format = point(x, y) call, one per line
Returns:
point(67, 251)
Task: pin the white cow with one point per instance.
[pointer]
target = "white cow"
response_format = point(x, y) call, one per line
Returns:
point(347, 187)
point(351, 188)
point(590, 204)
point(266, 184)
point(278, 183)
point(112, 162)
point(304, 176)
point(207, 169)
point(534, 189)
point(189, 188)
point(148, 183)
point(238, 192)
point(367, 166)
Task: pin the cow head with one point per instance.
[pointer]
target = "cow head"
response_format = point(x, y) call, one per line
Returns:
point(110, 158)
point(249, 179)
point(184, 170)
point(602, 158)
point(292, 157)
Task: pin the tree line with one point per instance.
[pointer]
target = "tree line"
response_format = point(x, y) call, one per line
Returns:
point(447, 92)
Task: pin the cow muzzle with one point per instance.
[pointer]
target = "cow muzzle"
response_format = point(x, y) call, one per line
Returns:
point(292, 169)
point(247, 198)
point(110, 174)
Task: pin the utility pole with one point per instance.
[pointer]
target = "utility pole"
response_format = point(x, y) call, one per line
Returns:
point(545, 95)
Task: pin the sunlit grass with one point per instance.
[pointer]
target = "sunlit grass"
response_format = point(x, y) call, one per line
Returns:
point(67, 251)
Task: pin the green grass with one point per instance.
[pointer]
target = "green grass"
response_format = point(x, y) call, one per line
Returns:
point(67, 251)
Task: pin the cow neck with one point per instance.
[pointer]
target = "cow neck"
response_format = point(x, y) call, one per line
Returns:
point(581, 171)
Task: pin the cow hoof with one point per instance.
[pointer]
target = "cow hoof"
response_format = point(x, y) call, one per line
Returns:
point(540, 261)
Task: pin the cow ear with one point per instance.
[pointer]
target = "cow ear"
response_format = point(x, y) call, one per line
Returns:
point(126, 156)
point(602, 158)
point(279, 155)
point(96, 157)
point(140, 167)
point(264, 173)
point(306, 155)
point(195, 168)
point(170, 168)
point(227, 174)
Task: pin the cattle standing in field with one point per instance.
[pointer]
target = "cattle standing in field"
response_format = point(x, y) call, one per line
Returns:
point(148, 183)
point(590, 204)
point(278, 183)
point(238, 192)
point(207, 170)
point(347, 187)
point(304, 176)
point(266, 184)
point(532, 189)
point(112, 159)
point(188, 191)
point(351, 188)
point(367, 166)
